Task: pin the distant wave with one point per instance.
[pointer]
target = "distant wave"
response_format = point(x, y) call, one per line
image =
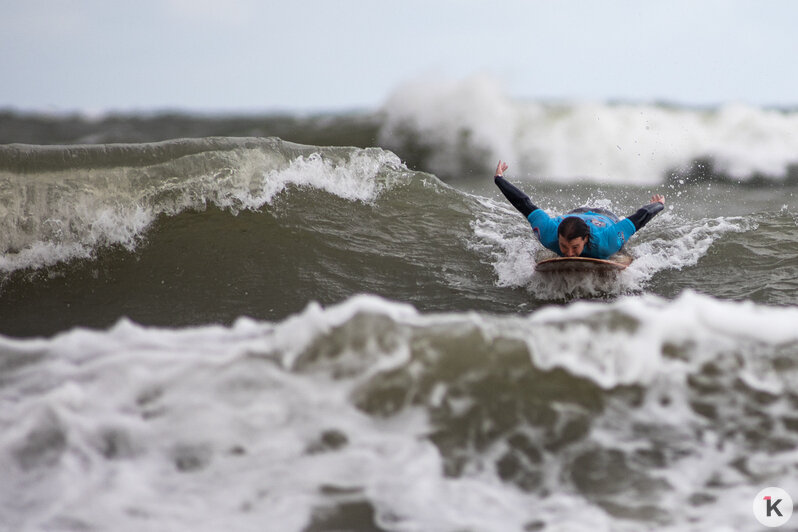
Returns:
point(457, 129)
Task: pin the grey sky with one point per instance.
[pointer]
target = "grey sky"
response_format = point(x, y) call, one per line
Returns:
point(309, 55)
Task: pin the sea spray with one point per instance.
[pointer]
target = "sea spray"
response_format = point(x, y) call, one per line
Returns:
point(458, 129)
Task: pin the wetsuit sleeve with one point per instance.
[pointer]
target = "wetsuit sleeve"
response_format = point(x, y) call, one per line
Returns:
point(544, 227)
point(611, 239)
point(645, 214)
point(519, 200)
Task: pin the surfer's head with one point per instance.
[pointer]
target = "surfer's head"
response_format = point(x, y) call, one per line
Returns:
point(573, 235)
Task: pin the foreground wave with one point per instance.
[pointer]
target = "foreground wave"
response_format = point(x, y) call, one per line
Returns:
point(639, 414)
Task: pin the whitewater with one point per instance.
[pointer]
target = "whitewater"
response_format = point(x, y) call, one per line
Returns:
point(273, 331)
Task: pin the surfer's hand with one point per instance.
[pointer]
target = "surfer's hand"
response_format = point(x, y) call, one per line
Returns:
point(501, 168)
point(658, 198)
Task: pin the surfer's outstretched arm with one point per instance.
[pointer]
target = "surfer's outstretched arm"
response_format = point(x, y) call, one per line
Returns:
point(647, 212)
point(519, 200)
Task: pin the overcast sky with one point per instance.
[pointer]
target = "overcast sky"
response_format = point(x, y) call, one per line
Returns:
point(316, 55)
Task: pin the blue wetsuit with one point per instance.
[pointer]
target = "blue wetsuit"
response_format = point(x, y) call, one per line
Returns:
point(608, 234)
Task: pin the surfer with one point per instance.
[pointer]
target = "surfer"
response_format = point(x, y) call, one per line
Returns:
point(583, 232)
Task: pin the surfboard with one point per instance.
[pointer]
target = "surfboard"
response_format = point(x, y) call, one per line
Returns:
point(583, 264)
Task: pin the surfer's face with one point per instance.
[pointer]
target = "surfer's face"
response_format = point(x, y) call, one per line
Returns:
point(573, 247)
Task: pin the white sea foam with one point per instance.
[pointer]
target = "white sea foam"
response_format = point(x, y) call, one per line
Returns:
point(630, 348)
point(355, 180)
point(684, 244)
point(189, 431)
point(468, 125)
point(256, 427)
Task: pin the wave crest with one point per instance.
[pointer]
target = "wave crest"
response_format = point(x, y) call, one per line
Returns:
point(63, 202)
point(457, 128)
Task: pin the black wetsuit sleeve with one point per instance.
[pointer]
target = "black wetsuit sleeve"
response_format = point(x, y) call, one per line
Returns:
point(645, 214)
point(519, 200)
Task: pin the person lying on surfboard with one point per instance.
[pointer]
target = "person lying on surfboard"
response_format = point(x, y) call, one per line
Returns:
point(584, 232)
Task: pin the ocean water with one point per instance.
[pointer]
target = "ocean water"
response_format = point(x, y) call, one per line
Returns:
point(334, 322)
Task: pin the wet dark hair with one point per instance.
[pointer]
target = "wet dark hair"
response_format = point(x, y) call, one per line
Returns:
point(573, 227)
